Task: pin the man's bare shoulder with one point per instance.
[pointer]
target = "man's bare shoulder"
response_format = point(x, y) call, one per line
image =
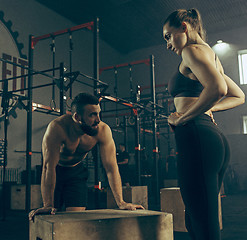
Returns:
point(104, 127)
point(57, 127)
point(61, 121)
point(104, 133)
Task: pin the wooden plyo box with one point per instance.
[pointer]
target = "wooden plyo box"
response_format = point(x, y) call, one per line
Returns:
point(105, 224)
point(171, 202)
point(18, 197)
point(133, 194)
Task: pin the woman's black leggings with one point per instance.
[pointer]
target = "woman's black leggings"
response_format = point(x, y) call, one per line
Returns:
point(203, 156)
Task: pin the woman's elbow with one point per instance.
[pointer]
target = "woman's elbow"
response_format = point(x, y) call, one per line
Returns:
point(242, 98)
point(220, 92)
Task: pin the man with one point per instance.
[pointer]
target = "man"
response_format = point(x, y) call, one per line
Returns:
point(171, 165)
point(123, 164)
point(66, 142)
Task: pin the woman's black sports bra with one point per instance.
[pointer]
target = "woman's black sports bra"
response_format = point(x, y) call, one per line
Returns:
point(181, 86)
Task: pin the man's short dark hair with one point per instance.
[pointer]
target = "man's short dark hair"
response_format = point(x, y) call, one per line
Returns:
point(81, 100)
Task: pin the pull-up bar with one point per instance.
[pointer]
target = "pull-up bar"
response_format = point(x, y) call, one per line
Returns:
point(31, 71)
point(123, 102)
point(61, 32)
point(145, 61)
point(43, 108)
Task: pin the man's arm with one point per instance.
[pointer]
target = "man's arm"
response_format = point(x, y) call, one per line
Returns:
point(125, 159)
point(108, 157)
point(51, 150)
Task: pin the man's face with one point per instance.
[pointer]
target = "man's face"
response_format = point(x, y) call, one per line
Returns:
point(121, 148)
point(90, 119)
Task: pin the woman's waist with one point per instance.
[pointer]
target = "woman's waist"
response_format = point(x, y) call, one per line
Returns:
point(202, 120)
point(183, 104)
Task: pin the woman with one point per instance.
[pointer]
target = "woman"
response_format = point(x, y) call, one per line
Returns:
point(199, 88)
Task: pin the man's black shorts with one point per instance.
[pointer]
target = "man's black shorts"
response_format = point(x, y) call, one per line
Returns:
point(71, 186)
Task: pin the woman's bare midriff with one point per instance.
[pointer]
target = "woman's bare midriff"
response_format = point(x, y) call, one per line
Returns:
point(183, 104)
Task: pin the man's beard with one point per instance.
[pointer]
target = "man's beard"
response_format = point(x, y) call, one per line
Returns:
point(88, 129)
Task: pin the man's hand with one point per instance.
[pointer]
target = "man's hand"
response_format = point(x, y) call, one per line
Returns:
point(130, 206)
point(42, 210)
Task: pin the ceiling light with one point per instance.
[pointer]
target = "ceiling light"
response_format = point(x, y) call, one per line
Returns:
point(221, 47)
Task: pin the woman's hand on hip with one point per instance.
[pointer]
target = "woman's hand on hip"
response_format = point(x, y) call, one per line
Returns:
point(173, 119)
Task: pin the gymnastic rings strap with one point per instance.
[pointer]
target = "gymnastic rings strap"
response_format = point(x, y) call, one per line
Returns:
point(53, 104)
point(117, 122)
point(68, 102)
point(131, 120)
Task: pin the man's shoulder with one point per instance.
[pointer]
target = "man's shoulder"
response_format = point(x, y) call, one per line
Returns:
point(104, 132)
point(61, 121)
point(58, 125)
point(103, 127)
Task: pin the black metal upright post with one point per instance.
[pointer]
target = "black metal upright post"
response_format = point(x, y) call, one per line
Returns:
point(96, 55)
point(70, 61)
point(96, 93)
point(154, 128)
point(5, 163)
point(61, 90)
point(29, 126)
point(53, 49)
point(137, 140)
point(5, 111)
point(125, 126)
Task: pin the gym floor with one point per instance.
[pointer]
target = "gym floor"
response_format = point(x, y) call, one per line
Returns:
point(234, 209)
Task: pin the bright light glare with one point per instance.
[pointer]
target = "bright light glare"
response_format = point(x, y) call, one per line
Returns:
point(221, 47)
point(242, 61)
point(244, 124)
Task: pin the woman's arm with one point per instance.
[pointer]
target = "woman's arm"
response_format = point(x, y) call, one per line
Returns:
point(214, 83)
point(234, 96)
